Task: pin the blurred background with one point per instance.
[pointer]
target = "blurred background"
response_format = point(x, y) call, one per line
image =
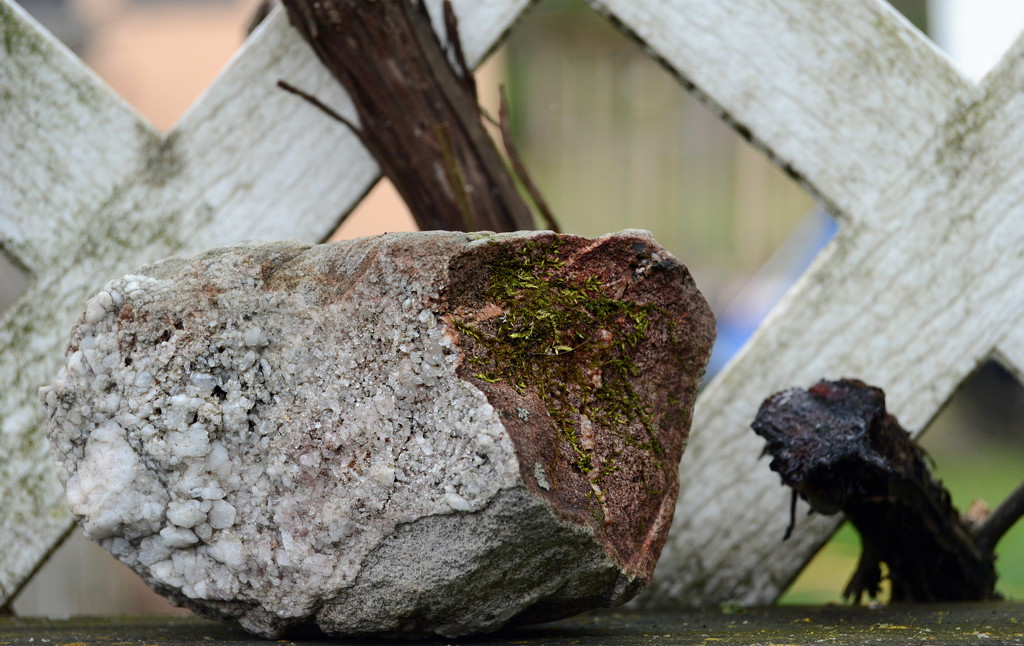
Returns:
point(614, 142)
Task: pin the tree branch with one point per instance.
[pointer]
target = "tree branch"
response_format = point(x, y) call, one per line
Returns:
point(839, 449)
point(1000, 521)
point(418, 116)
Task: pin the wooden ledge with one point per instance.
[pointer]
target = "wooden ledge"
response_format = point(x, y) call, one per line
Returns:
point(973, 623)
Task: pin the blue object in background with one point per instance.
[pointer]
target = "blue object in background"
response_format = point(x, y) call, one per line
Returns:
point(738, 320)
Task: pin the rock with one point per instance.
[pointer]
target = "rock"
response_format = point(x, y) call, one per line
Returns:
point(394, 436)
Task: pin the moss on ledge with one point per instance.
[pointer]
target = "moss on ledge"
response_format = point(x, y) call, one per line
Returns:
point(973, 623)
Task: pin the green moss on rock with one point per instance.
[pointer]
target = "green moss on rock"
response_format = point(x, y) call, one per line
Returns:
point(544, 318)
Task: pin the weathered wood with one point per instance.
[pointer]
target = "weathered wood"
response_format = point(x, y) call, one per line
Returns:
point(839, 449)
point(1009, 352)
point(89, 191)
point(920, 285)
point(923, 167)
point(965, 623)
point(841, 95)
point(60, 127)
point(418, 111)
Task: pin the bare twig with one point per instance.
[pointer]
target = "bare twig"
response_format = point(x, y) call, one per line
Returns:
point(451, 30)
point(259, 15)
point(1001, 520)
point(792, 516)
point(505, 126)
point(323, 107)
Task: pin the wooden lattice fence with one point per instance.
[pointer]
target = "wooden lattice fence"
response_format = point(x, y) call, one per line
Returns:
point(923, 168)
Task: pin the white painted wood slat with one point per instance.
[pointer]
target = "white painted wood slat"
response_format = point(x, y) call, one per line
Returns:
point(247, 162)
point(925, 169)
point(911, 300)
point(841, 94)
point(62, 134)
point(1010, 351)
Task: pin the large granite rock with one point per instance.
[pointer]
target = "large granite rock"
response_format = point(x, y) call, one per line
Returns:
point(399, 435)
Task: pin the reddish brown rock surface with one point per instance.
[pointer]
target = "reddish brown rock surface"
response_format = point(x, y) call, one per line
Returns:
point(592, 352)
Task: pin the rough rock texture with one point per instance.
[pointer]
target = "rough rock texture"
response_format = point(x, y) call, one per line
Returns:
point(399, 435)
